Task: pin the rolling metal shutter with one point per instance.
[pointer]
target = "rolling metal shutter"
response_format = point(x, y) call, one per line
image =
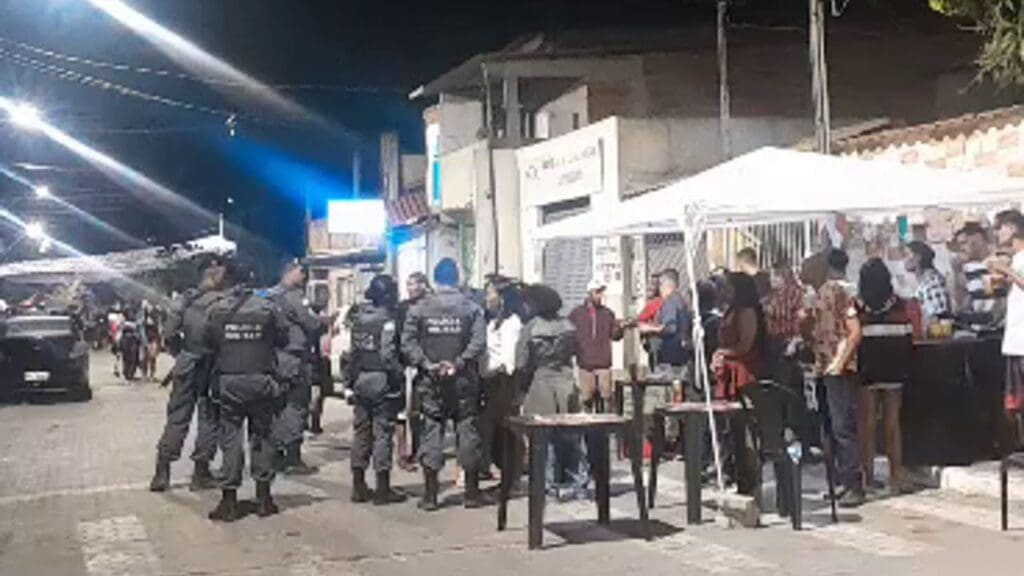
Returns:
point(664, 251)
point(568, 262)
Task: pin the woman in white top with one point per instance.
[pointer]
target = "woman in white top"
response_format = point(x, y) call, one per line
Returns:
point(502, 395)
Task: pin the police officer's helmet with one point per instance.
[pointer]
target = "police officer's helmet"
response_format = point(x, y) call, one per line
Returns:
point(238, 273)
point(382, 290)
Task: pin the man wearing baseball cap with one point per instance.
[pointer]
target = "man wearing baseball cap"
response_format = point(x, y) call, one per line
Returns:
point(596, 328)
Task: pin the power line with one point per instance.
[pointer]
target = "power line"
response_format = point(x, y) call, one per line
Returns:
point(94, 82)
point(176, 75)
point(228, 116)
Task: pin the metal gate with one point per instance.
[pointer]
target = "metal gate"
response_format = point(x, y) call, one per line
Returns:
point(786, 241)
point(664, 251)
point(568, 262)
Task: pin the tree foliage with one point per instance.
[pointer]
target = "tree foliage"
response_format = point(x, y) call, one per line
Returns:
point(1001, 24)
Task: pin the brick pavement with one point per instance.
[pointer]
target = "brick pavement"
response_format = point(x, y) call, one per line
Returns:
point(77, 507)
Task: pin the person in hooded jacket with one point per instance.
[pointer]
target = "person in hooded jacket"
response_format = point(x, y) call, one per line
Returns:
point(549, 349)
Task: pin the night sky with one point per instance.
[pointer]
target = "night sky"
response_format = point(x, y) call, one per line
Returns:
point(352, 62)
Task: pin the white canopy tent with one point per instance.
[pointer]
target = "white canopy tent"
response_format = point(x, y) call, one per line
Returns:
point(776, 185)
point(114, 265)
point(773, 185)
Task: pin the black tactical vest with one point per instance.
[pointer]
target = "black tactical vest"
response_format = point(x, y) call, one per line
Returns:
point(371, 327)
point(246, 338)
point(193, 319)
point(444, 335)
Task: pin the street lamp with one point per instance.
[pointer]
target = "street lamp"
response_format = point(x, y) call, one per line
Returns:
point(24, 116)
point(35, 231)
point(43, 192)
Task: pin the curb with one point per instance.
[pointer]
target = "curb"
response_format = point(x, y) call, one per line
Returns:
point(981, 479)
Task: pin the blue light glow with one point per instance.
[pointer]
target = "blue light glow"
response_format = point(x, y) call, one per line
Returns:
point(289, 176)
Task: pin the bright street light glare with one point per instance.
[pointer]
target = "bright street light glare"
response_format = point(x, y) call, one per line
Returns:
point(23, 115)
point(43, 192)
point(35, 231)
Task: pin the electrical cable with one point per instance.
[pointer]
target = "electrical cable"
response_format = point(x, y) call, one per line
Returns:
point(95, 82)
point(162, 73)
point(229, 117)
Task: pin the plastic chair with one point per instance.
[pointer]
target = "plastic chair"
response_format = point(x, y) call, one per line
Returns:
point(782, 424)
point(1009, 461)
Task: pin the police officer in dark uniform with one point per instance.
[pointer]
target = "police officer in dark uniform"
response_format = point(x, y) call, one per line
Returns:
point(417, 286)
point(190, 382)
point(444, 334)
point(376, 382)
point(296, 365)
point(244, 332)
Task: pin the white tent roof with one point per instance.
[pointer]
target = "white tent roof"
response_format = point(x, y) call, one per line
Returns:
point(117, 264)
point(776, 185)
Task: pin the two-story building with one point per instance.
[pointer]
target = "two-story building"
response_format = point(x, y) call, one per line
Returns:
point(663, 86)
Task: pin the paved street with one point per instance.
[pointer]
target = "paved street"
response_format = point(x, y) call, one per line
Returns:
point(73, 502)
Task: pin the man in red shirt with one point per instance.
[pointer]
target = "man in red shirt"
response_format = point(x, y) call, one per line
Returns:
point(596, 328)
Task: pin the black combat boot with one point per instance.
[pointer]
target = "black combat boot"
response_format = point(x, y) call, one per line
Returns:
point(293, 463)
point(227, 509)
point(202, 478)
point(264, 502)
point(473, 498)
point(162, 477)
point(360, 491)
point(429, 501)
point(384, 494)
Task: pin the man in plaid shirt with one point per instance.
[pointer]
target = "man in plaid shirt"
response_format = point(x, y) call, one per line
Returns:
point(932, 292)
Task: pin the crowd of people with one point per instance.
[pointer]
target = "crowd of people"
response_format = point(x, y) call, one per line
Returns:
point(134, 334)
point(444, 354)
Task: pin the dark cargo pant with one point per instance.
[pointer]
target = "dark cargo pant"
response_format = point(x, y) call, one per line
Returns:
point(188, 393)
point(457, 398)
point(290, 423)
point(375, 411)
point(247, 399)
point(842, 393)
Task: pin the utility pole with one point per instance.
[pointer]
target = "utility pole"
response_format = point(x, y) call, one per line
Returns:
point(819, 78)
point(307, 219)
point(724, 95)
point(357, 169)
point(491, 178)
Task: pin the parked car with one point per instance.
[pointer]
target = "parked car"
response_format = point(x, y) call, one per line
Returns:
point(43, 354)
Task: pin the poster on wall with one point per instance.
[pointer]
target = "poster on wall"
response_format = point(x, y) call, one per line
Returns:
point(940, 225)
point(608, 261)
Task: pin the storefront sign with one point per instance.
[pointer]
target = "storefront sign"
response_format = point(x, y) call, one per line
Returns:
point(569, 171)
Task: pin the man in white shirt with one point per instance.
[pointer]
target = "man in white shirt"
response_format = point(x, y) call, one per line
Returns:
point(1010, 230)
